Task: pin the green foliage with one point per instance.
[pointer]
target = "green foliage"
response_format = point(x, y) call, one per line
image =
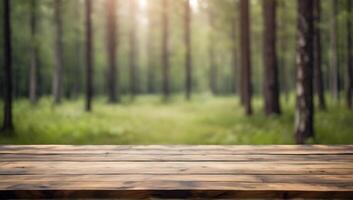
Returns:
point(205, 120)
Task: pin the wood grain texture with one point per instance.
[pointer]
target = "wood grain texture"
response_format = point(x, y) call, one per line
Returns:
point(159, 171)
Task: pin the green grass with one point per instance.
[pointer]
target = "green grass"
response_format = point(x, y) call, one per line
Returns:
point(205, 120)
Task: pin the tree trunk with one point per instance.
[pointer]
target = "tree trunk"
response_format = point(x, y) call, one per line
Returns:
point(7, 123)
point(212, 54)
point(133, 57)
point(271, 83)
point(245, 58)
point(76, 88)
point(334, 56)
point(33, 89)
point(318, 77)
point(89, 56)
point(350, 54)
point(235, 55)
point(188, 61)
point(113, 79)
point(165, 50)
point(283, 46)
point(58, 64)
point(304, 109)
point(151, 68)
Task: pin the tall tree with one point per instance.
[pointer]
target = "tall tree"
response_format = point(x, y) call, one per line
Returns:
point(58, 64)
point(245, 57)
point(283, 43)
point(212, 52)
point(7, 123)
point(235, 62)
point(133, 49)
point(334, 56)
point(318, 77)
point(271, 83)
point(77, 86)
point(33, 79)
point(350, 54)
point(165, 49)
point(304, 108)
point(188, 59)
point(151, 46)
point(89, 55)
point(113, 79)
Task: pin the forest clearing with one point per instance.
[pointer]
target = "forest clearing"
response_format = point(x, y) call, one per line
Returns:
point(204, 120)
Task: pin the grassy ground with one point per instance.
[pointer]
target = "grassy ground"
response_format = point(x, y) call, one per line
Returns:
point(205, 120)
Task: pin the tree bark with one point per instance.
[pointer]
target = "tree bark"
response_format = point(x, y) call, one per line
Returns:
point(33, 84)
point(112, 43)
point(133, 49)
point(58, 64)
point(89, 56)
point(318, 77)
point(334, 56)
point(188, 61)
point(245, 58)
point(271, 83)
point(212, 54)
point(304, 108)
point(7, 122)
point(350, 54)
point(165, 50)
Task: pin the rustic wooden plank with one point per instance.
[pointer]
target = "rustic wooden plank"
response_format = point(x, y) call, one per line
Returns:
point(173, 194)
point(181, 185)
point(176, 188)
point(27, 168)
point(7, 180)
point(192, 150)
point(175, 158)
point(169, 147)
point(162, 171)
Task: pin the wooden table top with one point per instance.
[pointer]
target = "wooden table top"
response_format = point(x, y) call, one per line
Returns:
point(57, 171)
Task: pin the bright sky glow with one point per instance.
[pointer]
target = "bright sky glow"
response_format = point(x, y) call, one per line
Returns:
point(194, 5)
point(142, 4)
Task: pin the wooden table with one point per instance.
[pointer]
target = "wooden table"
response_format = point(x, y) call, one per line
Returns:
point(176, 171)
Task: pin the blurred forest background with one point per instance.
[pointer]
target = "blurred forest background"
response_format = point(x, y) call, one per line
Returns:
point(177, 71)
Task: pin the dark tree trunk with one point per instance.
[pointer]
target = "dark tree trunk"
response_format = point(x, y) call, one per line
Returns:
point(350, 54)
point(113, 79)
point(151, 77)
point(245, 58)
point(304, 109)
point(212, 54)
point(33, 84)
point(318, 77)
point(165, 50)
point(188, 61)
point(334, 56)
point(7, 123)
point(133, 49)
point(89, 56)
point(58, 64)
point(271, 83)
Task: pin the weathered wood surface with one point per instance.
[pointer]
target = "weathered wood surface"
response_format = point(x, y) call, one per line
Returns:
point(52, 171)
